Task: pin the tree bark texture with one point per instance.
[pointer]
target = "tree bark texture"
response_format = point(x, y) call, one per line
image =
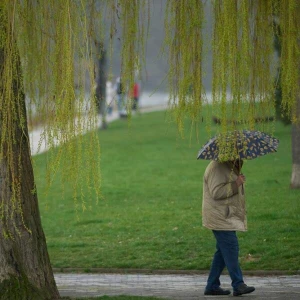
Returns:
point(25, 270)
point(295, 180)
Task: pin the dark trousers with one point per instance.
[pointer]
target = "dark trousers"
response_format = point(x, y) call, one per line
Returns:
point(227, 254)
point(135, 101)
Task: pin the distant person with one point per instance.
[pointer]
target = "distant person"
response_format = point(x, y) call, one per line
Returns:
point(110, 95)
point(224, 212)
point(135, 95)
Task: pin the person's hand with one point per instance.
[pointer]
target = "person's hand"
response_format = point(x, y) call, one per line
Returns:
point(240, 180)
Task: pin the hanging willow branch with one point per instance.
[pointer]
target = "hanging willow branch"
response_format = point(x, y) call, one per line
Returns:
point(244, 68)
point(54, 42)
point(49, 50)
point(243, 56)
point(183, 25)
point(290, 56)
point(55, 45)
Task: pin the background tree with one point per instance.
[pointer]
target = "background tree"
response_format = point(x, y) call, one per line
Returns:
point(101, 78)
point(278, 91)
point(295, 180)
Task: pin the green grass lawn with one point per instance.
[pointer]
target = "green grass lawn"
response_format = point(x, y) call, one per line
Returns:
point(150, 216)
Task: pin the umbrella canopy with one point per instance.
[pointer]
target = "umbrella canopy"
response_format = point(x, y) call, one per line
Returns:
point(244, 144)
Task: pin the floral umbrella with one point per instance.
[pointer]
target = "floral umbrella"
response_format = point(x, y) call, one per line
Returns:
point(244, 144)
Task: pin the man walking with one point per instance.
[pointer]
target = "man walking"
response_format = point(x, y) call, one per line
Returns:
point(224, 212)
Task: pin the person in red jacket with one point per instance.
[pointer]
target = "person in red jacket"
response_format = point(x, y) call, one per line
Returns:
point(134, 95)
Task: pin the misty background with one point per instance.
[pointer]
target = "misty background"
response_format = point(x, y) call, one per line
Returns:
point(154, 74)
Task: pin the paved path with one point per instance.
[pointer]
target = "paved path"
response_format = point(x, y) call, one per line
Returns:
point(177, 287)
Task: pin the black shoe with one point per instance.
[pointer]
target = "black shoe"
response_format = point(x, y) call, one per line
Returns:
point(243, 289)
point(219, 291)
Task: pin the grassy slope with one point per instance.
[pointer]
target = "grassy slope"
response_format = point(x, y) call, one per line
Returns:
point(151, 214)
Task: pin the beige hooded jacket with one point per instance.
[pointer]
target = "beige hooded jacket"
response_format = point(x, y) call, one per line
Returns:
point(223, 206)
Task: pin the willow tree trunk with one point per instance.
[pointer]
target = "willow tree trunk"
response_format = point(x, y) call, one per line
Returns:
point(25, 270)
point(295, 180)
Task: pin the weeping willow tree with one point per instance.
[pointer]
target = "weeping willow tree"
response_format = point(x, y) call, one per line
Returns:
point(47, 49)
